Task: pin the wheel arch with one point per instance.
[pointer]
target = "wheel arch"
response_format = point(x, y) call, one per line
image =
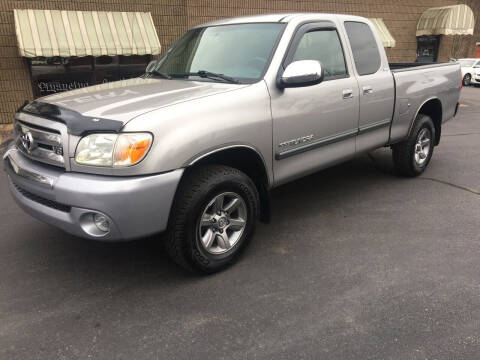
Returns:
point(247, 159)
point(431, 107)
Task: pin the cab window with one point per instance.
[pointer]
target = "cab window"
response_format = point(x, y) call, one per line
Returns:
point(324, 46)
point(364, 47)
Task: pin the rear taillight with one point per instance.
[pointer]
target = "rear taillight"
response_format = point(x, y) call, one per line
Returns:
point(461, 82)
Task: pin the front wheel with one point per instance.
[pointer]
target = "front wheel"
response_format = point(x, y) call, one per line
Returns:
point(467, 79)
point(411, 156)
point(213, 218)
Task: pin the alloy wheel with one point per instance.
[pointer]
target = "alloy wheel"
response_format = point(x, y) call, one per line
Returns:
point(222, 223)
point(423, 146)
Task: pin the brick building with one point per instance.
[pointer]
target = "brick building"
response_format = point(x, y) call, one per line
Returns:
point(173, 17)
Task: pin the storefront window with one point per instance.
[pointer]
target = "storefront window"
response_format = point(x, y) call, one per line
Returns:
point(57, 74)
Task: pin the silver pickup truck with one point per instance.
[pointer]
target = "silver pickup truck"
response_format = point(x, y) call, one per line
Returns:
point(231, 110)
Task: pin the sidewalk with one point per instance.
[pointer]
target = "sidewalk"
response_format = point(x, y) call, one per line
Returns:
point(6, 133)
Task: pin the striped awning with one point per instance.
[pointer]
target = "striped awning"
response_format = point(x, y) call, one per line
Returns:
point(48, 33)
point(387, 39)
point(447, 20)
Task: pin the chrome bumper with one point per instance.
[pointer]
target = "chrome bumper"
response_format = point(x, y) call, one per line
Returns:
point(135, 206)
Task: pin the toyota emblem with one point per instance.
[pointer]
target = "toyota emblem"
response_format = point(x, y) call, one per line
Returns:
point(27, 141)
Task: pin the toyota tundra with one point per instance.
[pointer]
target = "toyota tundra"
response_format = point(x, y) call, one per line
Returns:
point(234, 108)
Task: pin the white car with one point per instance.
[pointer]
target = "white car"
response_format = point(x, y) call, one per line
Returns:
point(470, 71)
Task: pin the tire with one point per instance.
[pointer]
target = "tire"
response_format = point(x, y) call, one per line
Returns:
point(411, 156)
point(204, 194)
point(467, 79)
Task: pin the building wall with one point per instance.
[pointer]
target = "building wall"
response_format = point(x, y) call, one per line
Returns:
point(461, 46)
point(173, 17)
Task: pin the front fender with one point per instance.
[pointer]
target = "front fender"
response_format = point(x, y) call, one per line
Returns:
point(187, 131)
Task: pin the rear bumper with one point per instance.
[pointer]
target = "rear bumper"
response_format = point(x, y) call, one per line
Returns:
point(135, 206)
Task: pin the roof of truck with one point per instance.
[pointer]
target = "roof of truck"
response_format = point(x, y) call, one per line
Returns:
point(283, 17)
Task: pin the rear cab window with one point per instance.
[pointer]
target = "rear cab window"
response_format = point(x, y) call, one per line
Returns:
point(364, 47)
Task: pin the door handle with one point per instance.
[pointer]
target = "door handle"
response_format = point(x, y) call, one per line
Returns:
point(367, 90)
point(347, 93)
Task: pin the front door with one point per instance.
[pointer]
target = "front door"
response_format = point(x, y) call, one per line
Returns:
point(315, 126)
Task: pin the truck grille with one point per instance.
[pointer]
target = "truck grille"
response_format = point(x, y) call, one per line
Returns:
point(39, 143)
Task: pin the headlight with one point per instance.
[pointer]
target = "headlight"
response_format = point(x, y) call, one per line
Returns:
point(113, 150)
point(96, 149)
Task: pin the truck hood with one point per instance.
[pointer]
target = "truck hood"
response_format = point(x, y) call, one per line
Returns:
point(123, 100)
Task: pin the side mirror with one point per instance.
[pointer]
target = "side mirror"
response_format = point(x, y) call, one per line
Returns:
point(150, 66)
point(302, 73)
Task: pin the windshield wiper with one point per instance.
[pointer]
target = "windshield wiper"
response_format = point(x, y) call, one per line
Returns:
point(159, 73)
point(207, 74)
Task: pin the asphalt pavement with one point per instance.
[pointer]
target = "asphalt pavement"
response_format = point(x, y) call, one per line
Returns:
point(357, 263)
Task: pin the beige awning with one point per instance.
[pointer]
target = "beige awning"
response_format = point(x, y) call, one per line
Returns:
point(446, 20)
point(387, 39)
point(82, 33)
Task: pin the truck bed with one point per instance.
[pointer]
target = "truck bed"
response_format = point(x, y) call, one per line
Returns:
point(416, 83)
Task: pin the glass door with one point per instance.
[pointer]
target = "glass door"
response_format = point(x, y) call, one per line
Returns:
point(427, 48)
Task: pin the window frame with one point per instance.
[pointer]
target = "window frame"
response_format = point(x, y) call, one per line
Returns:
point(354, 64)
point(301, 30)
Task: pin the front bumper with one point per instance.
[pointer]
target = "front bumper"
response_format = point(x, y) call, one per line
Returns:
point(135, 206)
point(475, 79)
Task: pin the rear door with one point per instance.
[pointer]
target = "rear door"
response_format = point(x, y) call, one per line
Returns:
point(376, 85)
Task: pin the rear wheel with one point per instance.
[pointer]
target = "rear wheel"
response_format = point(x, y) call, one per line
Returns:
point(467, 79)
point(412, 156)
point(212, 219)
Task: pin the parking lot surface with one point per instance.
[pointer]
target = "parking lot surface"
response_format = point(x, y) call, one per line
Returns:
point(356, 264)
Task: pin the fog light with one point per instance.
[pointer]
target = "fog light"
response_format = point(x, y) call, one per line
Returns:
point(101, 222)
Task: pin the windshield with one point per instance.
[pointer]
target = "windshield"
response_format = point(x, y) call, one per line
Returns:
point(240, 51)
point(466, 63)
